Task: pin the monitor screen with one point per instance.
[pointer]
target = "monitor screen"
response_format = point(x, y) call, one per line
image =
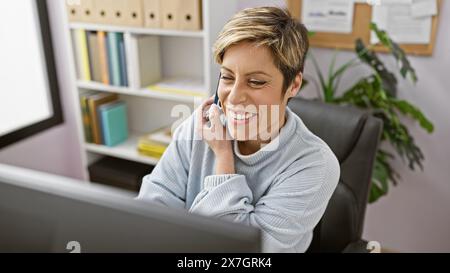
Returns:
point(41, 212)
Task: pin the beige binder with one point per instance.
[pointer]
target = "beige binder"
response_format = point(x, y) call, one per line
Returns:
point(190, 15)
point(169, 13)
point(103, 11)
point(118, 13)
point(87, 11)
point(73, 10)
point(134, 13)
point(152, 17)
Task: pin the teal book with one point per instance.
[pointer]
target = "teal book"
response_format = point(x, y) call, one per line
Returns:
point(108, 52)
point(113, 121)
point(114, 56)
point(123, 62)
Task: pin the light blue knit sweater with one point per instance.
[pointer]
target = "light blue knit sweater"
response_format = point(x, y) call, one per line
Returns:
point(282, 191)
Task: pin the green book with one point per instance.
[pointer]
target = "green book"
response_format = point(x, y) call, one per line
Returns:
point(87, 126)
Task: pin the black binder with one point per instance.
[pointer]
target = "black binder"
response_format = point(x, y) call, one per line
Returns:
point(119, 173)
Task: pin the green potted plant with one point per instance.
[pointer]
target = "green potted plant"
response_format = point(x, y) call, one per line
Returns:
point(377, 93)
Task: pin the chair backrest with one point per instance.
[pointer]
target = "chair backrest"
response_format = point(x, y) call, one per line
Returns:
point(353, 135)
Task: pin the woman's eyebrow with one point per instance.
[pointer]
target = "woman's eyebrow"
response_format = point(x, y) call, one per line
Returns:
point(258, 72)
point(249, 73)
point(226, 68)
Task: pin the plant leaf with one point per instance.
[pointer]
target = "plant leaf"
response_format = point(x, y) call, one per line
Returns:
point(369, 94)
point(369, 57)
point(311, 34)
point(412, 111)
point(331, 69)
point(382, 174)
point(320, 75)
point(375, 193)
point(405, 66)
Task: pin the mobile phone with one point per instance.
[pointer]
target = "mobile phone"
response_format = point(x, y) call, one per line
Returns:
point(217, 102)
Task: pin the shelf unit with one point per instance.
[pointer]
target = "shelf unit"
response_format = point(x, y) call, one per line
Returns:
point(125, 150)
point(144, 92)
point(138, 30)
point(185, 55)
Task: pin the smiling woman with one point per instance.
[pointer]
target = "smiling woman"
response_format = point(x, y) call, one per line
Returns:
point(29, 99)
point(253, 96)
point(265, 168)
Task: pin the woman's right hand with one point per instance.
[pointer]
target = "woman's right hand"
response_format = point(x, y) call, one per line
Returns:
point(214, 133)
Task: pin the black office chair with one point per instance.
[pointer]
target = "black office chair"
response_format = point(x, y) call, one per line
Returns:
point(353, 135)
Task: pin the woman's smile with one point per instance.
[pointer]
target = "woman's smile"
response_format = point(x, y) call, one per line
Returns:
point(240, 117)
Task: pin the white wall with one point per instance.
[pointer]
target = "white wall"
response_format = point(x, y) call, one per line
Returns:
point(55, 150)
point(415, 215)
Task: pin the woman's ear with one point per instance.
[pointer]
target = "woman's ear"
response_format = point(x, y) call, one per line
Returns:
point(295, 86)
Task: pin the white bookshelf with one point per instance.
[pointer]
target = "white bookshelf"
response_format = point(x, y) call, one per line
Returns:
point(138, 30)
point(184, 55)
point(126, 150)
point(143, 92)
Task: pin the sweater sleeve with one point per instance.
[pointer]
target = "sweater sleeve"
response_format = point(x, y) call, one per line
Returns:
point(166, 184)
point(289, 210)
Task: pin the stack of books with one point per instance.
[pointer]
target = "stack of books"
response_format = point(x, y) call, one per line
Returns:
point(155, 143)
point(100, 56)
point(104, 118)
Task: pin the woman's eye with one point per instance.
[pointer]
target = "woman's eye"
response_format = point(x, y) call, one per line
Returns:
point(226, 78)
point(257, 83)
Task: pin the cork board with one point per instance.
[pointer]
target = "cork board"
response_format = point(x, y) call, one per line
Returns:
point(361, 21)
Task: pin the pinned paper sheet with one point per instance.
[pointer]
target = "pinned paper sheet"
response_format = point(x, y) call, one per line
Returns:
point(423, 8)
point(398, 21)
point(383, 2)
point(328, 15)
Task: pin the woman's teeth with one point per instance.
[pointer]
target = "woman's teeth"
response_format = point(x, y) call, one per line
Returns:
point(242, 116)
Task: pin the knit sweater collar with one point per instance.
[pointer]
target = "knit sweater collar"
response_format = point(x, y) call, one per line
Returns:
point(285, 134)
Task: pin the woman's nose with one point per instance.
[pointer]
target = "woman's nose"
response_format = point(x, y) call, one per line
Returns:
point(237, 95)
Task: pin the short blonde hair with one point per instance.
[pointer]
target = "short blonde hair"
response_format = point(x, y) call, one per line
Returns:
point(273, 27)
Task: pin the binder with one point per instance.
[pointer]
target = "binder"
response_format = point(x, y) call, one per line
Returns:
point(108, 53)
point(87, 11)
point(143, 71)
point(77, 53)
point(169, 13)
point(73, 10)
point(94, 56)
point(81, 54)
point(117, 10)
point(152, 13)
point(123, 62)
point(103, 56)
point(131, 49)
point(103, 11)
point(190, 15)
point(134, 13)
point(114, 57)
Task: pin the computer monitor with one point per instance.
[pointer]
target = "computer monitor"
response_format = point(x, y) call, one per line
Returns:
point(41, 212)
